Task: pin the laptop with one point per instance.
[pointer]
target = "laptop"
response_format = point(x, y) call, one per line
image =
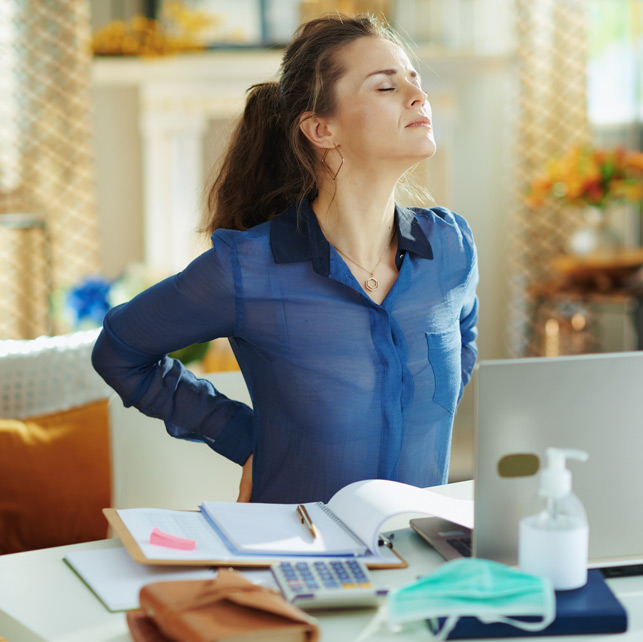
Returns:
point(523, 406)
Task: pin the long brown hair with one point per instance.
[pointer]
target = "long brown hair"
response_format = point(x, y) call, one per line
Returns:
point(269, 163)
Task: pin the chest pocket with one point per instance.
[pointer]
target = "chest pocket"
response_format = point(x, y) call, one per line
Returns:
point(445, 360)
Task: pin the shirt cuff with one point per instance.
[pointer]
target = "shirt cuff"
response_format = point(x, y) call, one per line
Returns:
point(236, 440)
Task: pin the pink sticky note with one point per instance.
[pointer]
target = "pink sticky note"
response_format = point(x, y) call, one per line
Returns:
point(160, 538)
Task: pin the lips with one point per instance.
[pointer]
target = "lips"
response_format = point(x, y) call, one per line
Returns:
point(422, 121)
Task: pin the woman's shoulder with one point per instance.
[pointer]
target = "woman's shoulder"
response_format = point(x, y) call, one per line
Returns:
point(440, 221)
point(440, 214)
point(235, 239)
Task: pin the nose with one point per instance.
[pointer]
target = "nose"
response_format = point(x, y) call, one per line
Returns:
point(417, 95)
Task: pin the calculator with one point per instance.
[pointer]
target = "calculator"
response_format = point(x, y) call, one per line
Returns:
point(328, 583)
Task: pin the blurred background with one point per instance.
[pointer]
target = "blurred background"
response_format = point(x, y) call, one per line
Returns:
point(112, 114)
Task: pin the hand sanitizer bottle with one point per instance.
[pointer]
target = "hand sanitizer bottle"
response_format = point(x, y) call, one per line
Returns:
point(554, 534)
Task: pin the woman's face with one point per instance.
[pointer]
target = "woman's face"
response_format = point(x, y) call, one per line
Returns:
point(382, 113)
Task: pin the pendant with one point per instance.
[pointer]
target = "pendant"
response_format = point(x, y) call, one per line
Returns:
point(371, 284)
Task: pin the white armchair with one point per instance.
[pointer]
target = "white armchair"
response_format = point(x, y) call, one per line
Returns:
point(48, 374)
point(54, 451)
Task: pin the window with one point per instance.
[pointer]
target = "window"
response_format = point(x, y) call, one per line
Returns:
point(615, 71)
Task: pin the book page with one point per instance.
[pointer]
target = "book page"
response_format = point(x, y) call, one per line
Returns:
point(116, 579)
point(364, 506)
point(269, 529)
point(187, 524)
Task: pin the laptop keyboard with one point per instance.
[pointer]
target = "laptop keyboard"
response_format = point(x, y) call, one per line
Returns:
point(461, 544)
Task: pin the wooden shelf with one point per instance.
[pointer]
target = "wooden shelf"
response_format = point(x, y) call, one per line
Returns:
point(606, 262)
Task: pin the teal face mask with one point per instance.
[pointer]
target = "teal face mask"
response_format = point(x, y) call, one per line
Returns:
point(490, 591)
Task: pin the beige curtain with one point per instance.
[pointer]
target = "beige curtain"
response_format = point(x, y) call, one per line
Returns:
point(46, 162)
point(552, 115)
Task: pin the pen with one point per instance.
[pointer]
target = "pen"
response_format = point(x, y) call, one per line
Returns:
point(386, 541)
point(305, 519)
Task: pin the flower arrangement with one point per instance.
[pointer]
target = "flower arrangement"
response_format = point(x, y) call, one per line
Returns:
point(589, 176)
point(180, 31)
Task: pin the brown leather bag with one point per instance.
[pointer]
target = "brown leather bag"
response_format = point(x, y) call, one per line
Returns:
point(225, 608)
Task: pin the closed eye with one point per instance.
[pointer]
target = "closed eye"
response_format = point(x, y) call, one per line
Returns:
point(387, 89)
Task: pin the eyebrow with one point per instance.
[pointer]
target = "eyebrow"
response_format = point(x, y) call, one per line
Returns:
point(391, 72)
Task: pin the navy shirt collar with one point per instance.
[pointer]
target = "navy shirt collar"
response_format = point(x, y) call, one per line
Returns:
point(294, 239)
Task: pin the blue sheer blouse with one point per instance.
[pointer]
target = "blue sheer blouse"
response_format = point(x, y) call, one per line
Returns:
point(343, 389)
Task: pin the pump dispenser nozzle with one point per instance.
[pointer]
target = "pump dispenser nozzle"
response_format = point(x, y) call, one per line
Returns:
point(555, 478)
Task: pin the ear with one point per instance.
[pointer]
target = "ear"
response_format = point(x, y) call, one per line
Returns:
point(317, 130)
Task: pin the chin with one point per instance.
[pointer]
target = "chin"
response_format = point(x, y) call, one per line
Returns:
point(431, 151)
point(430, 147)
point(425, 152)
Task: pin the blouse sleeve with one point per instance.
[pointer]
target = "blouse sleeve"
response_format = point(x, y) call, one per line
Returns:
point(469, 334)
point(469, 310)
point(194, 306)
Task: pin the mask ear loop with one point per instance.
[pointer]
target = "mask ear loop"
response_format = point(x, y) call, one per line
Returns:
point(378, 622)
point(447, 627)
point(548, 618)
point(525, 626)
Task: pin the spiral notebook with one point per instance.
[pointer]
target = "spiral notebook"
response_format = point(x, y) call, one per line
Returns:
point(276, 529)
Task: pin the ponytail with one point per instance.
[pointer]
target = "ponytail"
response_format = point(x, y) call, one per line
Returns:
point(249, 188)
point(270, 164)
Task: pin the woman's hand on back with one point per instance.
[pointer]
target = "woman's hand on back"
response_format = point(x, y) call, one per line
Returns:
point(245, 485)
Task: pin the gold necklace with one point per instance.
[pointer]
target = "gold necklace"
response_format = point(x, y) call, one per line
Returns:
point(371, 284)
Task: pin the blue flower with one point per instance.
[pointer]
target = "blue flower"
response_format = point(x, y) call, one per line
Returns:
point(89, 301)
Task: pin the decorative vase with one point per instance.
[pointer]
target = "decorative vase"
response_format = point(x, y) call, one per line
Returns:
point(598, 234)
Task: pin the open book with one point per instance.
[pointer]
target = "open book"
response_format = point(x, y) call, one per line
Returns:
point(260, 534)
point(349, 524)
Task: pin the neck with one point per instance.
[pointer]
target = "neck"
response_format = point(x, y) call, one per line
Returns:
point(357, 218)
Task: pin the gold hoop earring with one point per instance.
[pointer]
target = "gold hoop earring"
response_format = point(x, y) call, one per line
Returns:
point(323, 162)
point(408, 174)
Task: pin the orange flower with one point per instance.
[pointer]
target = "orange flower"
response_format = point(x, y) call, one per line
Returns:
point(588, 175)
point(634, 161)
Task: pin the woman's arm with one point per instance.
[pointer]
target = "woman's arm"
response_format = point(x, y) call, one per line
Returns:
point(469, 334)
point(469, 311)
point(194, 306)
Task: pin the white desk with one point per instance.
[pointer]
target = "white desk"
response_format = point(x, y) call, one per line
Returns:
point(41, 599)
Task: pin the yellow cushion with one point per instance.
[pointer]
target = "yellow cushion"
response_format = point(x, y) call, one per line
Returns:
point(54, 478)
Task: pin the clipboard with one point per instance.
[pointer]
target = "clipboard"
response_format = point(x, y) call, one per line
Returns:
point(389, 558)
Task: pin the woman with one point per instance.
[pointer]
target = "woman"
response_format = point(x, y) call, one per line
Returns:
point(353, 319)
